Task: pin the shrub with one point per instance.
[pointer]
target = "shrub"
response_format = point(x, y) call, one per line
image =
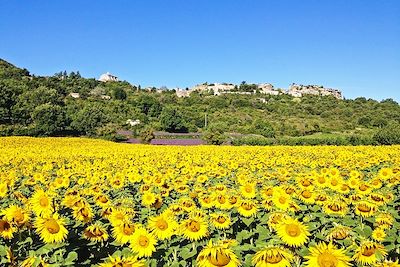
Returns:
point(146, 135)
point(388, 135)
point(253, 141)
point(214, 136)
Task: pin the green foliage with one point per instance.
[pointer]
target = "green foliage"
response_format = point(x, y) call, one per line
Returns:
point(87, 120)
point(172, 120)
point(49, 119)
point(389, 135)
point(146, 135)
point(264, 128)
point(286, 118)
point(214, 135)
point(119, 93)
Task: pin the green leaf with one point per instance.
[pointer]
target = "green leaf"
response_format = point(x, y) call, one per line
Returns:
point(186, 253)
point(71, 258)
point(248, 221)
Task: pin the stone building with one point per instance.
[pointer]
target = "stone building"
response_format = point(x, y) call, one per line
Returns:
point(108, 77)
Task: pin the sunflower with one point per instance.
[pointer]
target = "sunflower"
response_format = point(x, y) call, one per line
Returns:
point(275, 219)
point(16, 214)
point(162, 226)
point(221, 201)
point(32, 261)
point(102, 200)
point(41, 203)
point(307, 196)
point(321, 181)
point(143, 243)
point(388, 263)
point(247, 208)
point(194, 228)
point(206, 201)
point(281, 199)
point(377, 198)
point(95, 233)
point(384, 219)
point(272, 256)
point(51, 228)
point(293, 232)
point(324, 255)
point(83, 214)
point(148, 199)
point(118, 216)
point(369, 253)
point(378, 234)
point(7, 230)
point(248, 190)
point(220, 220)
point(335, 182)
point(339, 232)
point(353, 182)
point(123, 232)
point(385, 174)
point(365, 208)
point(215, 255)
point(3, 189)
point(363, 188)
point(122, 261)
point(336, 207)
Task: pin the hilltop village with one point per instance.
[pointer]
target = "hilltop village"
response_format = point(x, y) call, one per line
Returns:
point(295, 90)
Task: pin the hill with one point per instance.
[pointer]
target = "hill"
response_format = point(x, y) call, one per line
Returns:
point(68, 104)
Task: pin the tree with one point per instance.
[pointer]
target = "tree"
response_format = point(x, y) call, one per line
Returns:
point(264, 128)
point(147, 134)
point(49, 119)
point(9, 92)
point(119, 93)
point(214, 135)
point(88, 119)
point(388, 135)
point(172, 121)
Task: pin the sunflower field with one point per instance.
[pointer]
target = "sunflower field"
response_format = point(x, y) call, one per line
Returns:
point(84, 202)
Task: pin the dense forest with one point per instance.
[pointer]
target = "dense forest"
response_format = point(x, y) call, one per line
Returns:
point(43, 106)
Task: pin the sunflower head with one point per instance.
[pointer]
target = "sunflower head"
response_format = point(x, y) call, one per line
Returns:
point(327, 255)
point(215, 255)
point(272, 256)
point(292, 232)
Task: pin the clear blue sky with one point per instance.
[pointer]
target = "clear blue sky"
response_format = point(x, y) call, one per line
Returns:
point(352, 45)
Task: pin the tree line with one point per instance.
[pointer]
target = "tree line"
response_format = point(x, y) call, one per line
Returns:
point(43, 106)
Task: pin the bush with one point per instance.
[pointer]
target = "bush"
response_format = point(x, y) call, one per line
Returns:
point(214, 136)
point(253, 141)
point(146, 135)
point(388, 135)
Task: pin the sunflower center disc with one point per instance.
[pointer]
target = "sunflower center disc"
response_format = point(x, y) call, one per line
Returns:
point(19, 217)
point(128, 229)
point(52, 226)
point(143, 241)
point(4, 226)
point(306, 194)
point(221, 219)
point(162, 224)
point(326, 259)
point(273, 259)
point(194, 226)
point(44, 202)
point(293, 230)
point(368, 252)
point(220, 259)
point(364, 208)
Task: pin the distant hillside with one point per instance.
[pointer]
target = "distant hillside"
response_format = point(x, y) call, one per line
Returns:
point(68, 104)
